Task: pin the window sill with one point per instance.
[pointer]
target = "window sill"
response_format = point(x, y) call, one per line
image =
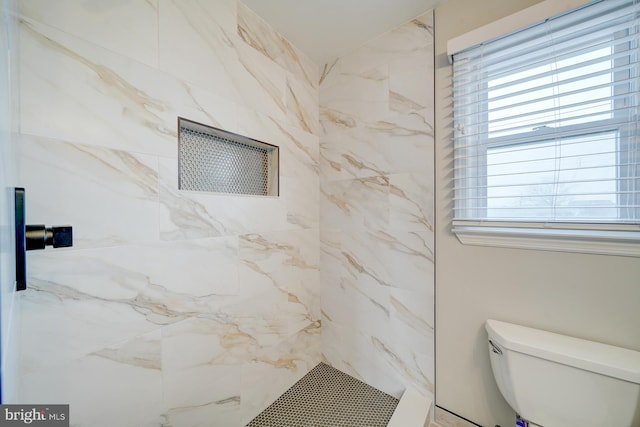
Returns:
point(590, 241)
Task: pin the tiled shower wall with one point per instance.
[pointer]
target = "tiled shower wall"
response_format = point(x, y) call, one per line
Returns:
point(377, 164)
point(172, 308)
point(9, 309)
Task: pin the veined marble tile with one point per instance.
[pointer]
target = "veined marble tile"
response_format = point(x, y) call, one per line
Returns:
point(335, 344)
point(193, 215)
point(334, 123)
point(409, 258)
point(257, 33)
point(285, 263)
point(270, 317)
point(196, 49)
point(127, 376)
point(364, 96)
point(264, 317)
point(202, 394)
point(377, 210)
point(409, 139)
point(411, 199)
point(413, 310)
point(410, 85)
point(225, 412)
point(282, 258)
point(302, 105)
point(204, 347)
point(201, 341)
point(76, 91)
point(299, 170)
point(277, 369)
point(361, 305)
point(405, 368)
point(129, 28)
point(267, 77)
point(92, 298)
point(302, 201)
point(108, 196)
point(414, 37)
point(329, 72)
point(356, 154)
point(372, 362)
point(9, 125)
point(356, 203)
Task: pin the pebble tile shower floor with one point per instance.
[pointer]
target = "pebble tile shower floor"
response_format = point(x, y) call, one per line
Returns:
point(327, 397)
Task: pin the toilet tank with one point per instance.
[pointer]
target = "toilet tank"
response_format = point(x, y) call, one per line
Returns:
point(559, 381)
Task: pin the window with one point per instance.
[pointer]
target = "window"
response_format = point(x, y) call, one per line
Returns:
point(546, 134)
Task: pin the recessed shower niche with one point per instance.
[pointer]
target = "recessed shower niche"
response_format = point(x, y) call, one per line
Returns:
point(216, 161)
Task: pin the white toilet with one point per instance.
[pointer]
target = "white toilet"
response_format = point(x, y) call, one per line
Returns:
point(554, 380)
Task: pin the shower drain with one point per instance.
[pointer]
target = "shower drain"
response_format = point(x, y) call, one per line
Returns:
point(327, 397)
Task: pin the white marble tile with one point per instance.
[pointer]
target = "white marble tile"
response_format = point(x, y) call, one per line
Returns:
point(90, 298)
point(299, 171)
point(202, 394)
point(262, 84)
point(257, 33)
point(354, 154)
point(193, 215)
point(408, 87)
point(201, 361)
point(125, 376)
point(364, 96)
point(196, 48)
point(412, 318)
point(409, 139)
point(411, 260)
point(129, 28)
point(282, 258)
point(108, 196)
point(76, 91)
point(414, 37)
point(329, 72)
point(376, 118)
point(269, 318)
point(302, 105)
point(412, 322)
point(411, 198)
point(73, 90)
point(9, 123)
point(277, 369)
point(202, 341)
point(373, 362)
point(225, 413)
point(356, 203)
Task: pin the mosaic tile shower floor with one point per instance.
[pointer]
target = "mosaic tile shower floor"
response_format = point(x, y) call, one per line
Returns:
point(327, 397)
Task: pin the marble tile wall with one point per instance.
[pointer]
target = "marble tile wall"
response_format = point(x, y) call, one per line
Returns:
point(172, 308)
point(377, 245)
point(9, 306)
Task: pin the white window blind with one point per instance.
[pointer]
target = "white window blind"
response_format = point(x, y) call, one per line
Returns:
point(546, 124)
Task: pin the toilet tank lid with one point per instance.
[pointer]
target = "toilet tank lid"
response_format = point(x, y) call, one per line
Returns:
point(592, 356)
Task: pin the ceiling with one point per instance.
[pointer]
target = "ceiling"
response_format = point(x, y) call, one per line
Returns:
point(326, 29)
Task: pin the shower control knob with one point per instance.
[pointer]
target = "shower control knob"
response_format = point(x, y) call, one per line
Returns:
point(38, 236)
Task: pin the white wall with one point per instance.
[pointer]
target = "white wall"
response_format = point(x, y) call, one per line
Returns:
point(173, 307)
point(588, 296)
